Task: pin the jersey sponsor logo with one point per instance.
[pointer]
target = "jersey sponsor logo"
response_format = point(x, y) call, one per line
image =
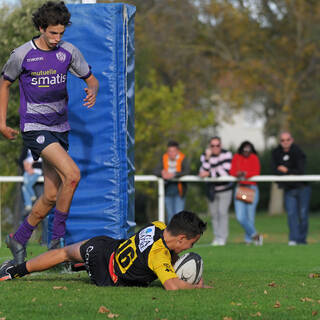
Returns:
point(40, 139)
point(47, 78)
point(61, 56)
point(36, 59)
point(146, 238)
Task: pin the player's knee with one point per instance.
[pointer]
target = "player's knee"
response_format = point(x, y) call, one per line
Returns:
point(73, 178)
point(64, 257)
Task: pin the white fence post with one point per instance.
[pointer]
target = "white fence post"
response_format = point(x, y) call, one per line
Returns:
point(161, 204)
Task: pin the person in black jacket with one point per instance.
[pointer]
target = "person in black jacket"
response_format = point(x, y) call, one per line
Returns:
point(287, 159)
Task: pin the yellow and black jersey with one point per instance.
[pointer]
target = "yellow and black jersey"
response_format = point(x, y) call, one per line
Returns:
point(144, 257)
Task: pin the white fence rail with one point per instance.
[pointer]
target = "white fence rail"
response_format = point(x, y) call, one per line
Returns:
point(161, 185)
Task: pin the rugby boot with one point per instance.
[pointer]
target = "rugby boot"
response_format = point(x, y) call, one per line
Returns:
point(18, 251)
point(4, 274)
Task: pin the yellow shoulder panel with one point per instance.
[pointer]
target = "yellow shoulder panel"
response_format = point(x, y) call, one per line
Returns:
point(159, 261)
point(159, 225)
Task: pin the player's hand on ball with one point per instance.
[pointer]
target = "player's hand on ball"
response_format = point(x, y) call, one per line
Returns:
point(202, 285)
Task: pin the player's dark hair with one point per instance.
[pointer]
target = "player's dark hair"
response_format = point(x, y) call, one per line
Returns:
point(51, 14)
point(173, 143)
point(187, 223)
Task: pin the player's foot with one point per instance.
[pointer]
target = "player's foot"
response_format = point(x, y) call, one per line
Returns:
point(18, 251)
point(4, 274)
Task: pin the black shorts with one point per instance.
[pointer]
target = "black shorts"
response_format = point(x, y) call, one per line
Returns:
point(96, 254)
point(36, 141)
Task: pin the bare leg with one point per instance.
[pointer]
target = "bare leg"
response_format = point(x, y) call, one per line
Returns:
point(61, 178)
point(47, 200)
point(52, 258)
point(68, 172)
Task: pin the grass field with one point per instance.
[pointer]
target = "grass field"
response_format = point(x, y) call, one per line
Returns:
point(249, 282)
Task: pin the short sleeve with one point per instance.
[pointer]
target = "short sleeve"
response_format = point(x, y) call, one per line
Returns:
point(79, 66)
point(12, 68)
point(160, 262)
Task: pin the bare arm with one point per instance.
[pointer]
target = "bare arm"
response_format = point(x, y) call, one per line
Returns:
point(91, 91)
point(177, 284)
point(7, 132)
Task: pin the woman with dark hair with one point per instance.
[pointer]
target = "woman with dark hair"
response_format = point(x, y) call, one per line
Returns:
point(246, 164)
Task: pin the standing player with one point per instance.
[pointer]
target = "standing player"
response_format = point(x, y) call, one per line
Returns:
point(41, 66)
point(137, 261)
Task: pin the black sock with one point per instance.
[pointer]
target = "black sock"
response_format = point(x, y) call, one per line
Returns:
point(18, 271)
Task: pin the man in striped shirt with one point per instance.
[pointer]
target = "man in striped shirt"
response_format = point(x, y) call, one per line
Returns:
point(216, 162)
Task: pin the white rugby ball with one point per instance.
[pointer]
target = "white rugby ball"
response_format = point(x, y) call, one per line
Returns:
point(189, 267)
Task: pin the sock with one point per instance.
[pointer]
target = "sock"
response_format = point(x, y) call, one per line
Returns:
point(18, 271)
point(59, 224)
point(24, 232)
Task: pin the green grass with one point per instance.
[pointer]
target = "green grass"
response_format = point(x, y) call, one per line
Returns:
point(268, 282)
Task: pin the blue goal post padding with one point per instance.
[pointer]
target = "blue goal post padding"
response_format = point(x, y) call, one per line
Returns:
point(102, 138)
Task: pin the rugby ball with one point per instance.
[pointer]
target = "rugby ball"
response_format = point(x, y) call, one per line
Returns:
point(189, 267)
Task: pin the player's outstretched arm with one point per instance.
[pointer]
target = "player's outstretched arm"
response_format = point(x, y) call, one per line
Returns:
point(91, 91)
point(7, 132)
point(177, 284)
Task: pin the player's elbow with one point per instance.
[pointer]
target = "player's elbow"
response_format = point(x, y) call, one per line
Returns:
point(173, 284)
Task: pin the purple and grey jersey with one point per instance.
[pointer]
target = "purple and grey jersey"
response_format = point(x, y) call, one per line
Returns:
point(43, 83)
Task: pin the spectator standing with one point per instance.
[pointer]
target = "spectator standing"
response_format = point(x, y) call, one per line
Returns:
point(173, 165)
point(216, 162)
point(288, 158)
point(246, 164)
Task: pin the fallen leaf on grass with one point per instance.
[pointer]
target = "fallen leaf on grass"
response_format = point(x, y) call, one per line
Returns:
point(112, 315)
point(265, 292)
point(258, 314)
point(103, 309)
point(272, 284)
point(2, 318)
point(314, 313)
point(314, 275)
point(156, 310)
point(60, 304)
point(59, 288)
point(236, 303)
point(277, 304)
point(306, 299)
point(34, 300)
point(227, 318)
